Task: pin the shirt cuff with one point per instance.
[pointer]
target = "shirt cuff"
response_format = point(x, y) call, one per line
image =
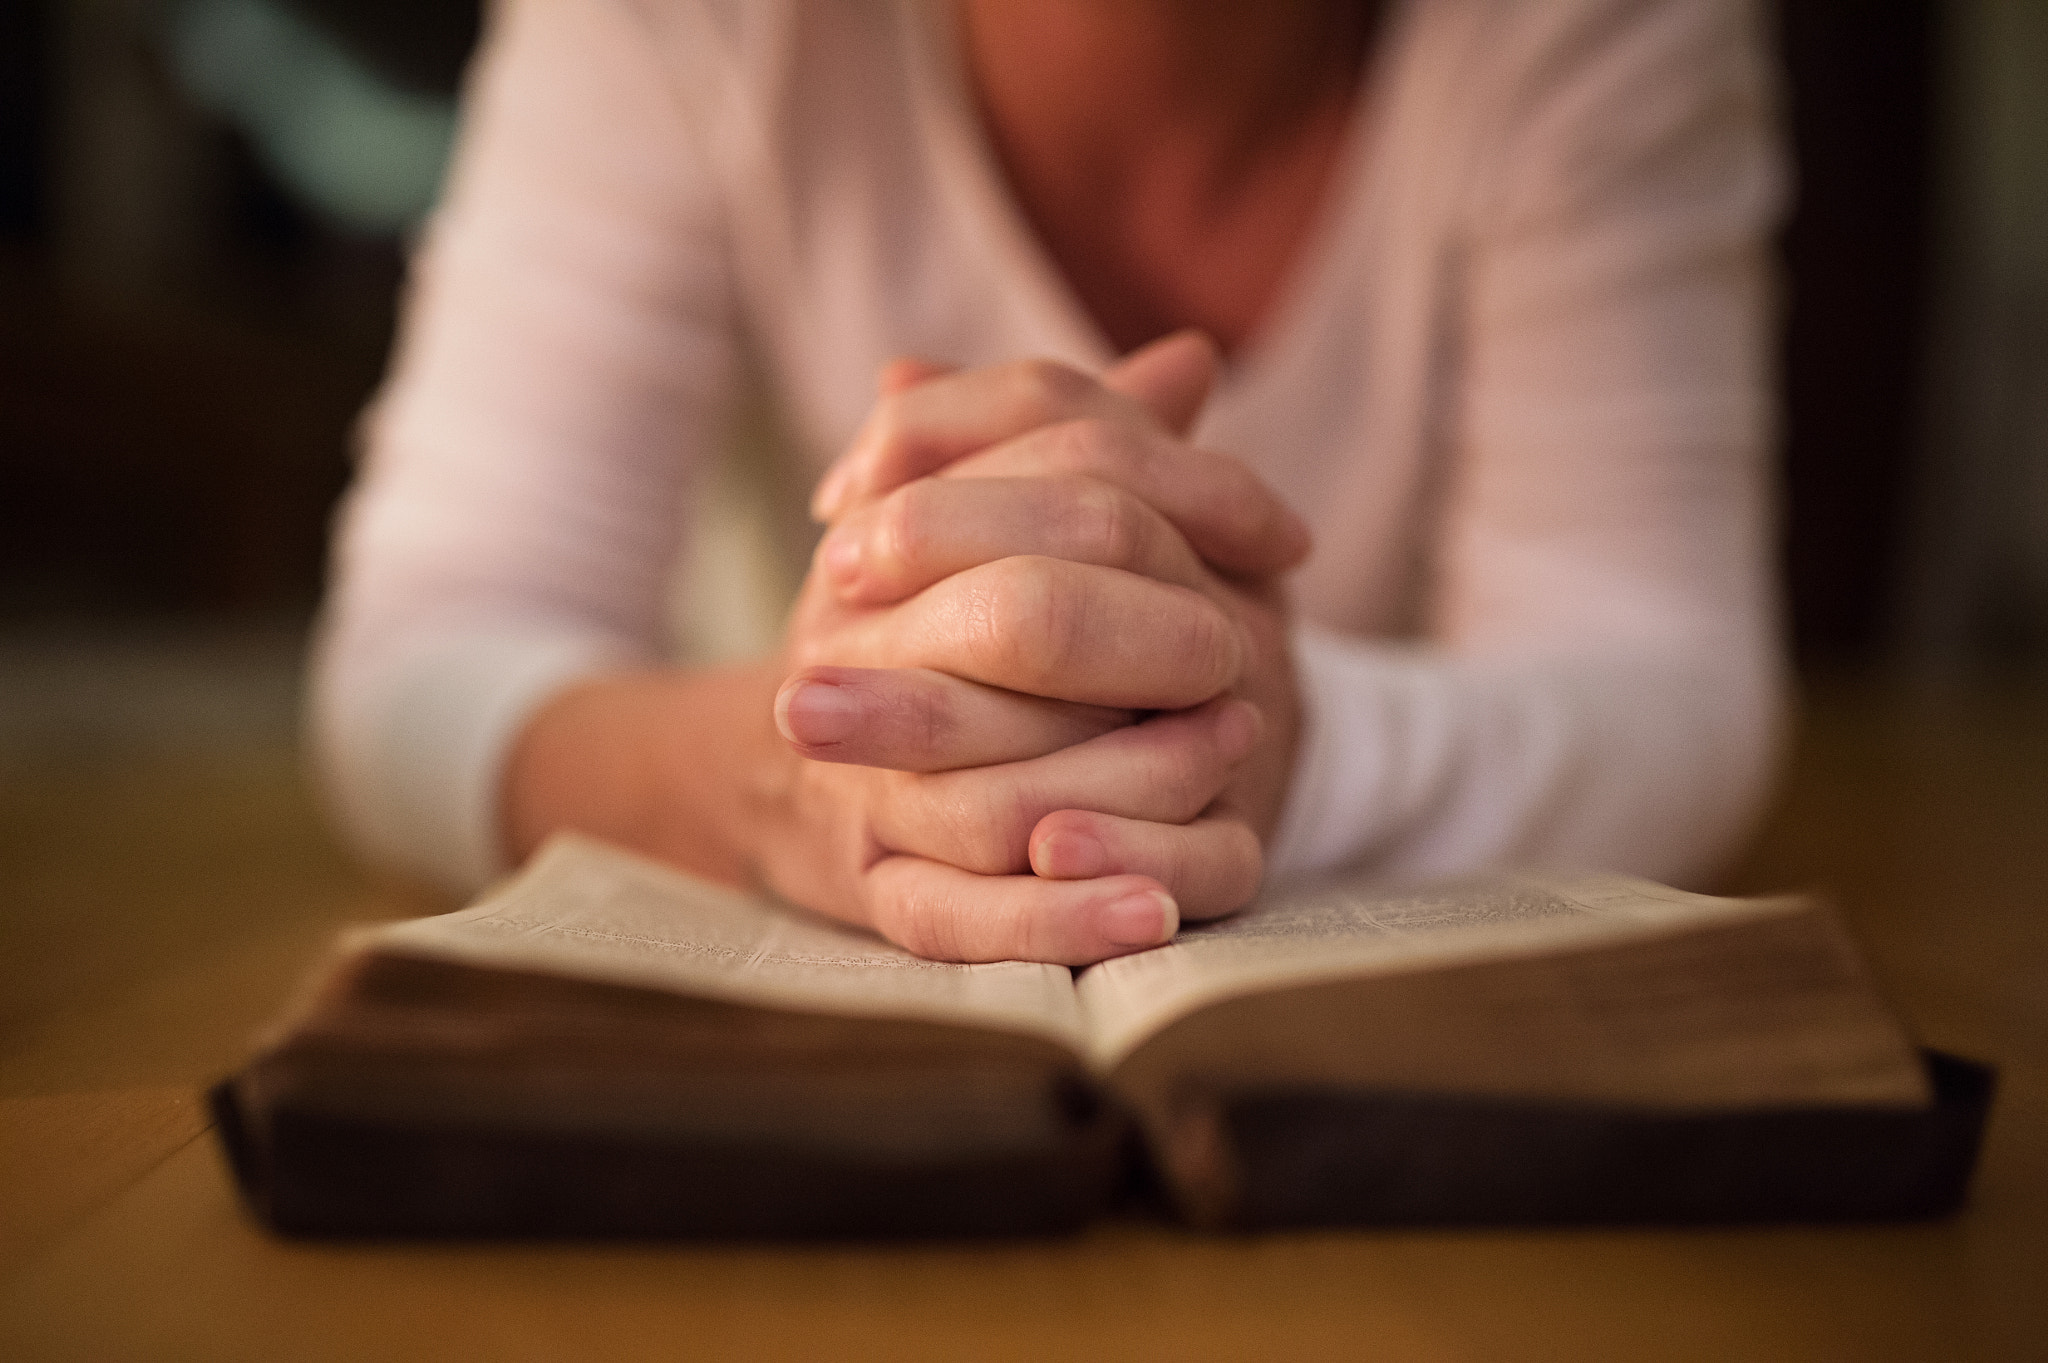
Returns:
point(1335, 803)
point(414, 757)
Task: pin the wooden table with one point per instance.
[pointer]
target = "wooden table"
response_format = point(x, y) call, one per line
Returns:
point(157, 912)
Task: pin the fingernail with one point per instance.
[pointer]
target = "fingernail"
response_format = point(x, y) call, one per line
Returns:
point(1238, 728)
point(816, 714)
point(1068, 855)
point(841, 555)
point(1144, 919)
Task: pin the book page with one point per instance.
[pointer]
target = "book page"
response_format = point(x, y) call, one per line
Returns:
point(1304, 934)
point(586, 910)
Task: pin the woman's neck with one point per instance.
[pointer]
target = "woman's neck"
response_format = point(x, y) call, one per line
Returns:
point(1171, 153)
point(1102, 71)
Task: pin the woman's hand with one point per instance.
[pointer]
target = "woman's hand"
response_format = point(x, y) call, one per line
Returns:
point(961, 713)
point(1099, 481)
point(1052, 586)
point(689, 767)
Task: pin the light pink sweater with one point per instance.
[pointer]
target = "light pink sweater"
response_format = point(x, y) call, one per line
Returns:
point(1518, 384)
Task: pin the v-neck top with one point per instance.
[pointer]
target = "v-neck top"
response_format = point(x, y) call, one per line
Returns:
point(1516, 381)
point(965, 160)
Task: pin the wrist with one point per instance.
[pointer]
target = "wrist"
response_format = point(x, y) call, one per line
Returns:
point(727, 781)
point(685, 766)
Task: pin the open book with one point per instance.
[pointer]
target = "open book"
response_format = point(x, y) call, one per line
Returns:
point(603, 1044)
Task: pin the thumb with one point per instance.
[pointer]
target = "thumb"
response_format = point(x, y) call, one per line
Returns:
point(1171, 376)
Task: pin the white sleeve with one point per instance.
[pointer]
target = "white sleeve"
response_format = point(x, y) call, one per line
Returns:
point(1601, 684)
point(565, 357)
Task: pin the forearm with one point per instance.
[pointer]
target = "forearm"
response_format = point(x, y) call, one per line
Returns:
point(682, 765)
point(565, 363)
point(1419, 761)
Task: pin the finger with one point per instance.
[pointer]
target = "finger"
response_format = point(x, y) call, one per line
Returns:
point(1225, 511)
point(914, 719)
point(947, 914)
point(930, 529)
point(1171, 377)
point(1165, 770)
point(1047, 627)
point(925, 427)
point(1210, 866)
point(906, 372)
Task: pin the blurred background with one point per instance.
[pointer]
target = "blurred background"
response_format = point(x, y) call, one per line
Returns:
point(204, 212)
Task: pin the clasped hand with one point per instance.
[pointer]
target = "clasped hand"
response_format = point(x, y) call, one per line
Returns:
point(1041, 703)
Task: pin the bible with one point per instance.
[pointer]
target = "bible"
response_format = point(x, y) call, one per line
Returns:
point(606, 1046)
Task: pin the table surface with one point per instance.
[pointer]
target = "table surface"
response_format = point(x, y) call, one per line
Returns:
point(158, 911)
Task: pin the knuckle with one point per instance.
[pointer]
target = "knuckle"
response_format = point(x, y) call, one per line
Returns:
point(1026, 622)
point(1051, 386)
point(1175, 860)
point(1215, 866)
point(994, 840)
point(1205, 647)
point(940, 924)
point(1239, 864)
point(971, 820)
point(1108, 523)
point(1188, 771)
point(1249, 515)
point(1249, 863)
point(926, 720)
point(1036, 936)
point(1264, 626)
point(927, 924)
point(1008, 833)
point(905, 537)
point(1194, 777)
point(915, 913)
point(1214, 639)
point(1084, 445)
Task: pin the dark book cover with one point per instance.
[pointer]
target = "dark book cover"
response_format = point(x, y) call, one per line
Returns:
point(1295, 1159)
